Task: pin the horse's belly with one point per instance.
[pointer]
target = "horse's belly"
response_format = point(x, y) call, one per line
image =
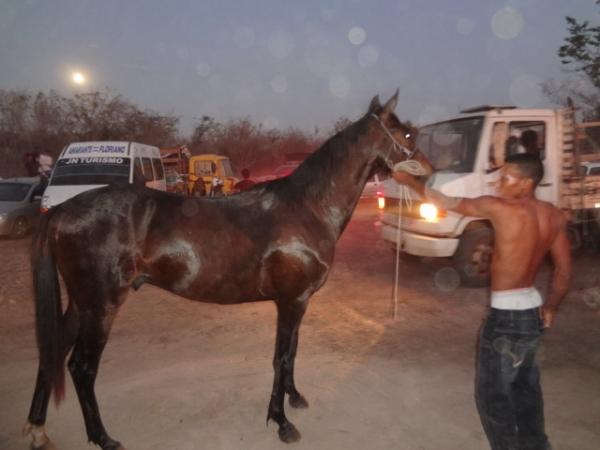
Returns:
point(214, 288)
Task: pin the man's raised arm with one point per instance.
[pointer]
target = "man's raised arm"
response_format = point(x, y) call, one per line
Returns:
point(485, 206)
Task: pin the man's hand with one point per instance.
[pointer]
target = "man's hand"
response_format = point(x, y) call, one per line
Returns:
point(547, 315)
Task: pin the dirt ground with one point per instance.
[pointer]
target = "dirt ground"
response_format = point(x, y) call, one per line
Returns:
point(182, 375)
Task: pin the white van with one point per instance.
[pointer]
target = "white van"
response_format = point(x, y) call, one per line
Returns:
point(82, 166)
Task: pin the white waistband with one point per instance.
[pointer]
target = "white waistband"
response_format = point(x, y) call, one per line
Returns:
point(517, 299)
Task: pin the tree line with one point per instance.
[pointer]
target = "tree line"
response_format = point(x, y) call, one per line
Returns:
point(46, 122)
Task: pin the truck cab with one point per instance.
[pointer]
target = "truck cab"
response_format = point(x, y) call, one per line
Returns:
point(466, 153)
point(205, 169)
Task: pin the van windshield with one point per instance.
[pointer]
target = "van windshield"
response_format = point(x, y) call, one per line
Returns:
point(91, 170)
point(451, 146)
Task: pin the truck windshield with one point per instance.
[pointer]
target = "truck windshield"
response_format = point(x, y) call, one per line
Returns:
point(227, 170)
point(451, 146)
point(89, 170)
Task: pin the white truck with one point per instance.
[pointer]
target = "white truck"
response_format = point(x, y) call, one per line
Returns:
point(465, 153)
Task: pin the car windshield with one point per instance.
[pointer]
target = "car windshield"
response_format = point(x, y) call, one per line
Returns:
point(13, 192)
point(451, 146)
point(80, 171)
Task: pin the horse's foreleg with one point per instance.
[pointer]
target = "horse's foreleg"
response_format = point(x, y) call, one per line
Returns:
point(289, 316)
point(83, 365)
point(43, 387)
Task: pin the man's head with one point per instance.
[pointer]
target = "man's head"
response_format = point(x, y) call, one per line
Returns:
point(529, 141)
point(245, 173)
point(520, 175)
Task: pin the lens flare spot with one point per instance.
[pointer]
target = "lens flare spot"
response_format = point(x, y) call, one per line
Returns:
point(507, 23)
point(340, 86)
point(368, 56)
point(357, 35)
point(279, 84)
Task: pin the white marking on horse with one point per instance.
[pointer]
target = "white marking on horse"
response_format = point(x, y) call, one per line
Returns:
point(305, 254)
point(268, 202)
point(183, 252)
point(38, 434)
point(335, 217)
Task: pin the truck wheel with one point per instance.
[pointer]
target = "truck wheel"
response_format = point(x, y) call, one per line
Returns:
point(473, 257)
point(19, 228)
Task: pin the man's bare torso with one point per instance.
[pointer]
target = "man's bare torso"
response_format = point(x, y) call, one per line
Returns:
point(525, 230)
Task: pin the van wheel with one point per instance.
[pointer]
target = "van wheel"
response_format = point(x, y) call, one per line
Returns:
point(473, 257)
point(19, 228)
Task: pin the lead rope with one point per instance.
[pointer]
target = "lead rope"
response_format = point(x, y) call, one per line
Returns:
point(414, 168)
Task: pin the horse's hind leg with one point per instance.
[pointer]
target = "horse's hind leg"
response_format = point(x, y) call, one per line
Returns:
point(83, 365)
point(41, 396)
point(296, 399)
point(289, 316)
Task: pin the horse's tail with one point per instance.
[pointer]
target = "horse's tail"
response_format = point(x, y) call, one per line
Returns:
point(48, 310)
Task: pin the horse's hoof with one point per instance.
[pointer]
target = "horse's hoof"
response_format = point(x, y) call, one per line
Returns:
point(288, 433)
point(40, 440)
point(113, 446)
point(298, 401)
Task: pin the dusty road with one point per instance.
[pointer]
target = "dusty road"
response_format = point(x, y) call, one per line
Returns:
point(181, 375)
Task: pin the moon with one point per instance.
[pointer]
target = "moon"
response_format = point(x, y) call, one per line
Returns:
point(78, 78)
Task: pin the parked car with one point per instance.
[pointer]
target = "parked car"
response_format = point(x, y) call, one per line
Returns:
point(19, 205)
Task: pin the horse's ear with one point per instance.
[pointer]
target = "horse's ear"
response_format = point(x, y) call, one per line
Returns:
point(390, 106)
point(375, 104)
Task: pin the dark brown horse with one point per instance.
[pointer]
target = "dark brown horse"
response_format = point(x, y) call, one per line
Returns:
point(273, 242)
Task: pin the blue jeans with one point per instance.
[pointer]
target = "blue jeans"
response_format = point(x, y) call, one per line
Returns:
point(508, 392)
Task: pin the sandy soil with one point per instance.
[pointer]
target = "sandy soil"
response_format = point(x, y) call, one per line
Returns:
point(182, 375)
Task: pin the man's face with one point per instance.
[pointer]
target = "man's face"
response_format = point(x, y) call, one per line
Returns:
point(512, 183)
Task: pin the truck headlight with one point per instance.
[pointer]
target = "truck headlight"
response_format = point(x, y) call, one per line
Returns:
point(429, 212)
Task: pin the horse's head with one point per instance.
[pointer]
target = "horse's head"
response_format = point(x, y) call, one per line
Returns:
point(394, 141)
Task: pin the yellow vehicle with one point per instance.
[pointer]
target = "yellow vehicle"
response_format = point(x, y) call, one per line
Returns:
point(211, 175)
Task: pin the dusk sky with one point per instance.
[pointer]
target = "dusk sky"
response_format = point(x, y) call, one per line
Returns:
point(285, 63)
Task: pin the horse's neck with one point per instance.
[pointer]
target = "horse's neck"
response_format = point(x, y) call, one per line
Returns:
point(338, 174)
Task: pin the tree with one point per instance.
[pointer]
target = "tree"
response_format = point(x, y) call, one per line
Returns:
point(582, 49)
point(581, 52)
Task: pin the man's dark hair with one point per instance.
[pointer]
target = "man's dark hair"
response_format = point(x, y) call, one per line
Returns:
point(529, 165)
point(529, 141)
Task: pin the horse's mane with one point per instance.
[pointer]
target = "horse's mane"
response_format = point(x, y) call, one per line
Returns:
point(312, 178)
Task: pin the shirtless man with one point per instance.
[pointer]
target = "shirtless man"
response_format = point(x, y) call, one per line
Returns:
point(509, 396)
